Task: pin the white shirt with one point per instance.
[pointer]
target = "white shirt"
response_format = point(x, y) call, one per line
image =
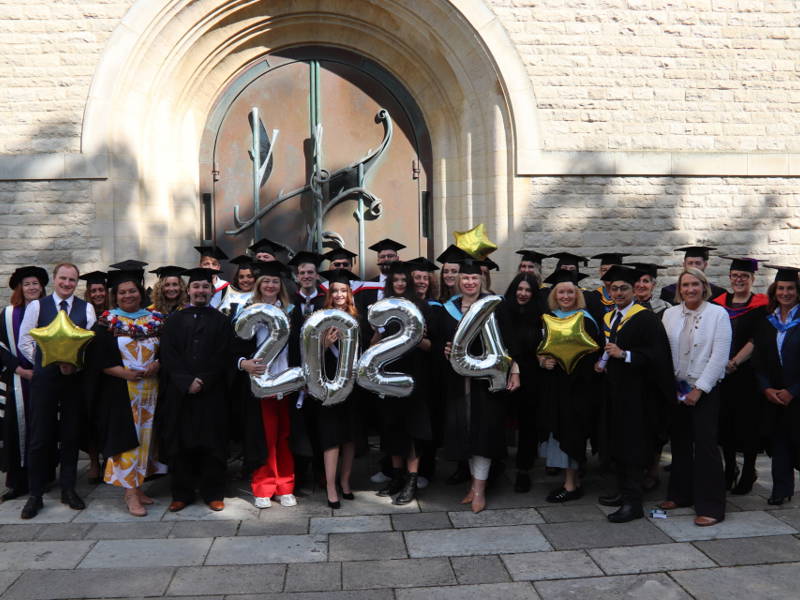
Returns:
point(382, 281)
point(30, 321)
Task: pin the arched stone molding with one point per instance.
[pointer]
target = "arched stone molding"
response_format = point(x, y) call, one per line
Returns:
point(167, 63)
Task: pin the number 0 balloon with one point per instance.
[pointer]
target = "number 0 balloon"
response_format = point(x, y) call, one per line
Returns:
point(312, 336)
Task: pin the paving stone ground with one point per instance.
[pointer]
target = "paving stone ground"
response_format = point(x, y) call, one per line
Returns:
point(520, 547)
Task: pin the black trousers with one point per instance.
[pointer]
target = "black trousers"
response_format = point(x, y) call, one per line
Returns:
point(55, 415)
point(527, 443)
point(785, 453)
point(629, 483)
point(200, 470)
point(697, 477)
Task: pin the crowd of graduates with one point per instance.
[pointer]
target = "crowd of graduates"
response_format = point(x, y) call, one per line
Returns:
point(165, 385)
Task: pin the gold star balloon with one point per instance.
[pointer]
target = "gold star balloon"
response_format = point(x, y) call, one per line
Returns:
point(566, 340)
point(62, 341)
point(475, 241)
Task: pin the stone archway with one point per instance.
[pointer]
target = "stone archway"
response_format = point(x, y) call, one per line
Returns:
point(164, 67)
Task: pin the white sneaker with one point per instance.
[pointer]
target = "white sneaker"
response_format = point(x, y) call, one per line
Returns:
point(288, 500)
point(379, 477)
point(422, 482)
point(263, 502)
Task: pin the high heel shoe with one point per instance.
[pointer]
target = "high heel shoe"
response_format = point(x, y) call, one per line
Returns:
point(745, 484)
point(334, 504)
point(348, 495)
point(778, 500)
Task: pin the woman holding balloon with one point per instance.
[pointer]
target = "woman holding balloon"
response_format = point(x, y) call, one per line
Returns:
point(475, 418)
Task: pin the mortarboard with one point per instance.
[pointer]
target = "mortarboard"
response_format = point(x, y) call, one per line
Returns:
point(94, 277)
point(610, 258)
point(452, 254)
point(339, 276)
point(567, 258)
point(338, 254)
point(386, 244)
point(265, 245)
point(695, 251)
point(212, 251)
point(304, 256)
point(562, 275)
point(168, 271)
point(129, 265)
point(743, 263)
point(200, 274)
point(30, 271)
point(619, 273)
point(532, 256)
point(422, 264)
point(271, 268)
point(122, 275)
point(784, 273)
point(646, 268)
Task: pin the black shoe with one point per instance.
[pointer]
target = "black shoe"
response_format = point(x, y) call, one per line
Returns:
point(612, 500)
point(460, 475)
point(627, 512)
point(32, 507)
point(12, 493)
point(778, 500)
point(71, 499)
point(336, 504)
point(394, 485)
point(745, 484)
point(563, 495)
point(347, 496)
point(522, 484)
point(409, 491)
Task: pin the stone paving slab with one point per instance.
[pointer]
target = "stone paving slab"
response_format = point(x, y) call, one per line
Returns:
point(656, 586)
point(385, 594)
point(209, 529)
point(479, 569)
point(367, 546)
point(246, 550)
point(314, 577)
point(488, 518)
point(368, 503)
point(64, 531)
point(108, 554)
point(19, 532)
point(7, 578)
point(362, 524)
point(550, 565)
point(506, 591)
point(89, 583)
point(735, 525)
point(112, 510)
point(236, 509)
point(52, 512)
point(568, 512)
point(43, 555)
point(128, 531)
point(790, 516)
point(649, 559)
point(752, 551)
point(397, 573)
point(248, 579)
point(421, 521)
point(741, 583)
point(277, 525)
point(475, 540)
point(601, 534)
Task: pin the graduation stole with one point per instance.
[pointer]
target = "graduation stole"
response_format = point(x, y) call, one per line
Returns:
point(433, 302)
point(632, 311)
point(222, 287)
point(607, 301)
point(452, 309)
point(779, 325)
point(756, 301)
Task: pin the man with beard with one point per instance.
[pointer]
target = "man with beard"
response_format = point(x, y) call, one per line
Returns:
point(196, 354)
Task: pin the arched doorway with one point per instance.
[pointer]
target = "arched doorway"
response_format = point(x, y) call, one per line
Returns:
point(335, 137)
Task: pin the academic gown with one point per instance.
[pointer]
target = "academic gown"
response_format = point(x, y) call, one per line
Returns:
point(408, 419)
point(474, 426)
point(14, 398)
point(741, 403)
point(431, 384)
point(668, 292)
point(598, 303)
point(637, 395)
point(567, 402)
point(195, 342)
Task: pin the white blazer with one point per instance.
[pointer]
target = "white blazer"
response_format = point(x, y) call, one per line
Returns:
point(712, 343)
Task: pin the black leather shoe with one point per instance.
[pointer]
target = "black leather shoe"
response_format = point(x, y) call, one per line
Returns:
point(612, 500)
point(627, 512)
point(394, 485)
point(12, 493)
point(745, 484)
point(778, 500)
point(522, 484)
point(409, 491)
point(32, 507)
point(71, 499)
point(563, 495)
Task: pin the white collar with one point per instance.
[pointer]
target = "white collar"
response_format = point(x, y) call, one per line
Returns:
point(624, 311)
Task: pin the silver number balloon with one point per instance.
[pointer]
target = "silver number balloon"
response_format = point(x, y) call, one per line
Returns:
point(494, 363)
point(312, 337)
point(277, 323)
point(370, 376)
point(234, 301)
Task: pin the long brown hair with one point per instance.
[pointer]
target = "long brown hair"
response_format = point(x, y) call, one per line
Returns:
point(160, 303)
point(87, 296)
point(351, 304)
point(18, 297)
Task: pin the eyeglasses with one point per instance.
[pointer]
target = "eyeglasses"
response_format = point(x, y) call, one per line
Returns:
point(739, 276)
point(620, 288)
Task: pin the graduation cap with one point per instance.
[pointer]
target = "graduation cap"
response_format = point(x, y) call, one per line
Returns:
point(531, 256)
point(129, 265)
point(743, 263)
point(399, 266)
point(619, 273)
point(123, 275)
point(168, 271)
point(200, 274)
point(242, 260)
point(567, 258)
point(265, 245)
point(647, 268)
point(452, 254)
point(271, 268)
point(422, 264)
point(30, 271)
point(212, 251)
point(610, 258)
point(471, 266)
point(386, 244)
point(339, 276)
point(562, 275)
point(490, 264)
point(695, 251)
point(304, 256)
point(785, 273)
point(339, 254)
point(94, 277)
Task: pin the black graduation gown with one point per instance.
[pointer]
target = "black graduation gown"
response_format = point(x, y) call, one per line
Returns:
point(771, 373)
point(524, 336)
point(477, 427)
point(431, 384)
point(195, 342)
point(668, 292)
point(637, 395)
point(116, 431)
point(597, 304)
point(12, 398)
point(406, 420)
point(567, 403)
point(741, 403)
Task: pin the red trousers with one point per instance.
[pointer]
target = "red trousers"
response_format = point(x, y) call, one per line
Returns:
point(276, 475)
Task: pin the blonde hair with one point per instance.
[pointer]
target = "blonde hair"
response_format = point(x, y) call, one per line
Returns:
point(697, 274)
point(282, 295)
point(458, 282)
point(160, 302)
point(552, 304)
